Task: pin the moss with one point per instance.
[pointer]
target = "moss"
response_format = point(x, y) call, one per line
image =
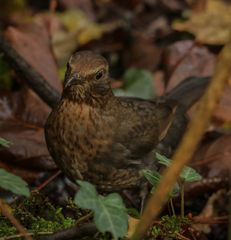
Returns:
point(42, 225)
point(169, 227)
point(6, 228)
point(36, 214)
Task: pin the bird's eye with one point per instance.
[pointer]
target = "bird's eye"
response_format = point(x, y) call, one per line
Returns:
point(99, 75)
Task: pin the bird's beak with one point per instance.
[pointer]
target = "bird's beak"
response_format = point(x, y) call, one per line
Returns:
point(74, 79)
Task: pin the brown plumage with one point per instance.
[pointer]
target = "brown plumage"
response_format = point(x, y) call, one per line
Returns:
point(107, 140)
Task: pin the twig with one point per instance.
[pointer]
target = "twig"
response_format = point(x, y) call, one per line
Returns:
point(47, 93)
point(181, 237)
point(76, 232)
point(209, 220)
point(189, 142)
point(15, 236)
point(4, 210)
point(46, 182)
point(84, 218)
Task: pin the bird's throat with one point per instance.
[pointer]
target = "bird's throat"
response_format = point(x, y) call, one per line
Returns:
point(80, 94)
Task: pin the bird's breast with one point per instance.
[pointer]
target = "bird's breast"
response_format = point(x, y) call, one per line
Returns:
point(77, 135)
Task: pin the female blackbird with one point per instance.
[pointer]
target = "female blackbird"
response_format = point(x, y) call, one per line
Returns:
point(107, 140)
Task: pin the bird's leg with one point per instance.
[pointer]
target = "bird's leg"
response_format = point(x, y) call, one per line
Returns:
point(144, 192)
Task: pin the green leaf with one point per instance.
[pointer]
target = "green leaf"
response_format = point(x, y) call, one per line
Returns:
point(175, 191)
point(163, 160)
point(137, 83)
point(154, 178)
point(110, 214)
point(133, 212)
point(190, 175)
point(87, 196)
point(13, 183)
point(4, 142)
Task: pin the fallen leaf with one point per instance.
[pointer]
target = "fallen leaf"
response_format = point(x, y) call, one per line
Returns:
point(32, 42)
point(132, 224)
point(84, 5)
point(27, 155)
point(223, 111)
point(211, 26)
point(145, 57)
point(28, 148)
point(75, 29)
point(185, 59)
point(213, 160)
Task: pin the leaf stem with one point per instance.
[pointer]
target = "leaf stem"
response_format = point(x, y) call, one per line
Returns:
point(182, 199)
point(172, 207)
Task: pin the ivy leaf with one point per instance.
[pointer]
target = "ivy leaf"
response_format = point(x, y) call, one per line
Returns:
point(13, 183)
point(110, 214)
point(137, 83)
point(4, 142)
point(87, 196)
point(154, 178)
point(190, 175)
point(163, 160)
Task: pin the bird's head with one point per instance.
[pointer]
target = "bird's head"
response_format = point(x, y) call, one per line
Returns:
point(86, 76)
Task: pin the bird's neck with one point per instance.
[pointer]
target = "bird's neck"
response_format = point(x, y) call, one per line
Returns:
point(81, 96)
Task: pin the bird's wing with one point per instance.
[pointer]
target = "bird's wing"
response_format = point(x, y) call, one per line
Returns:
point(142, 124)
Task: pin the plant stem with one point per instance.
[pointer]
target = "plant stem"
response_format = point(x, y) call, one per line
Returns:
point(172, 207)
point(5, 212)
point(182, 199)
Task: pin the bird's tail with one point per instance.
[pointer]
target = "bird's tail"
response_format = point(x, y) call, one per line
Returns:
point(188, 91)
point(183, 96)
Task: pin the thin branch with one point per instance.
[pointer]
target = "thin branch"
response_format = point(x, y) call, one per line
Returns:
point(36, 81)
point(46, 182)
point(4, 210)
point(189, 142)
point(75, 232)
point(15, 236)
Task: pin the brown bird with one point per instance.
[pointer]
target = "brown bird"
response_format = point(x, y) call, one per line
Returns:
point(108, 140)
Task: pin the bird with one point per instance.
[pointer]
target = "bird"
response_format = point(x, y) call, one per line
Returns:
point(107, 140)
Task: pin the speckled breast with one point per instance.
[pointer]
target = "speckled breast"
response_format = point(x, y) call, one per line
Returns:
point(76, 134)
